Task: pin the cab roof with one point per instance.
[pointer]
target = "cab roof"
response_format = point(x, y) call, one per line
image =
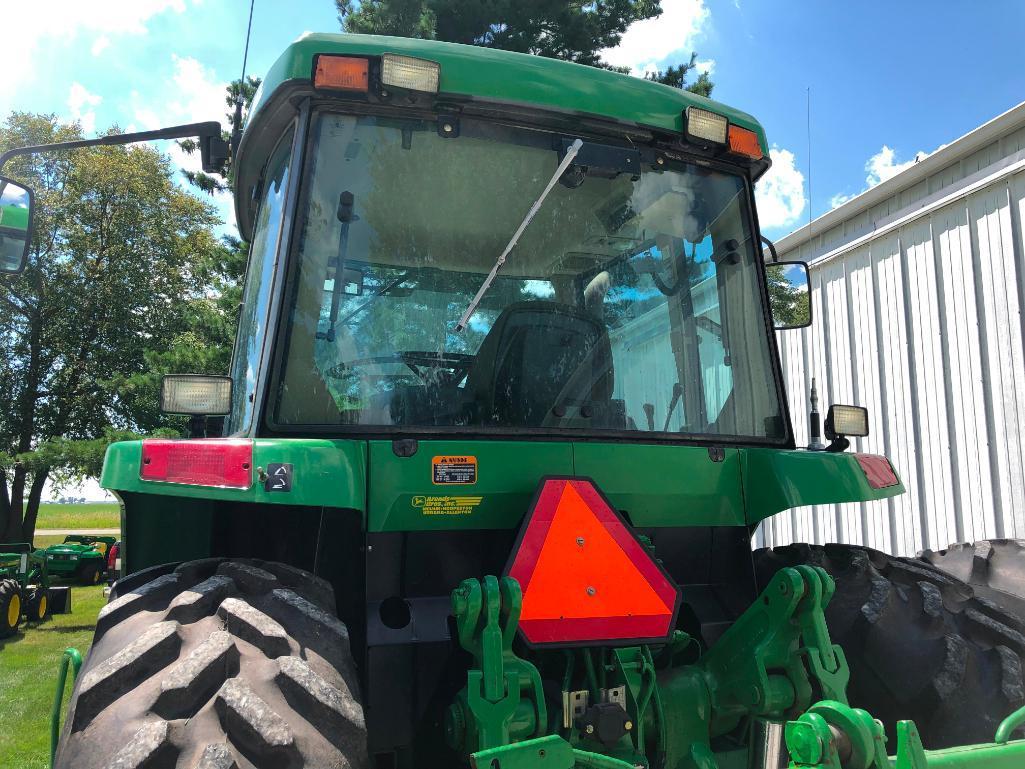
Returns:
point(472, 72)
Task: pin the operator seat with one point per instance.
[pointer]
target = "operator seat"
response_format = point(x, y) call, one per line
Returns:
point(538, 358)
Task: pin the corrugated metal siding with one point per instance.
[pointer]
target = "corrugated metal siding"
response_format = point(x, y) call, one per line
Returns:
point(924, 326)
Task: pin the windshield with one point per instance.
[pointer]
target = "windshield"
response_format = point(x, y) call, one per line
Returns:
point(631, 302)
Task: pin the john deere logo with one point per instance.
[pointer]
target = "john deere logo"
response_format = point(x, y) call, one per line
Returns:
point(419, 501)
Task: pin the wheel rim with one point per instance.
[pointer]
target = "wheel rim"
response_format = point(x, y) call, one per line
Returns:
point(13, 610)
point(41, 612)
point(96, 576)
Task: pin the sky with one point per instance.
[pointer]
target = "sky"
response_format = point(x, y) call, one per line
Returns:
point(888, 81)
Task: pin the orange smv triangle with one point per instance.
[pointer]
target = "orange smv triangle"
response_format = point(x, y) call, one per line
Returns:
point(585, 577)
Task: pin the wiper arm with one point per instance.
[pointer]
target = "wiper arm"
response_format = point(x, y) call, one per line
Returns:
point(571, 152)
point(346, 216)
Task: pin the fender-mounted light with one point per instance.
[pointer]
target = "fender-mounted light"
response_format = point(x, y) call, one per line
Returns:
point(224, 463)
point(745, 142)
point(410, 73)
point(342, 73)
point(706, 126)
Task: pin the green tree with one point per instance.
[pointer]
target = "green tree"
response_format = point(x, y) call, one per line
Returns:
point(676, 76)
point(121, 258)
point(791, 306)
point(224, 181)
point(559, 29)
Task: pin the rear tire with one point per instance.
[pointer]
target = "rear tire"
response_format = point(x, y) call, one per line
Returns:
point(995, 568)
point(217, 663)
point(89, 573)
point(919, 643)
point(10, 607)
point(37, 605)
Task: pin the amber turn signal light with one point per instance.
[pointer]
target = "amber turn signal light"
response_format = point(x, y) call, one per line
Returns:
point(342, 73)
point(745, 142)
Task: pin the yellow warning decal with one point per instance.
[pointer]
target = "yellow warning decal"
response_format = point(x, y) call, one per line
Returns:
point(454, 471)
point(447, 505)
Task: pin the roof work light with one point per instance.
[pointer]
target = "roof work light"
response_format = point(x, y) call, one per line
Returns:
point(706, 126)
point(195, 395)
point(410, 73)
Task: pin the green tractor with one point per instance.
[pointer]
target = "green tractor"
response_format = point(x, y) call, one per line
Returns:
point(24, 587)
point(504, 412)
point(79, 557)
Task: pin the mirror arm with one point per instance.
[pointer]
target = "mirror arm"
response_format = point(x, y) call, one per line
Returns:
point(210, 130)
point(765, 240)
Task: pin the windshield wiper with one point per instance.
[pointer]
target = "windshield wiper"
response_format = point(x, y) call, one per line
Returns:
point(346, 216)
point(571, 152)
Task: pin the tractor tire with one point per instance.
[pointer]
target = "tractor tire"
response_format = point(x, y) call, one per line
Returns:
point(920, 644)
point(217, 663)
point(90, 572)
point(995, 568)
point(37, 605)
point(10, 607)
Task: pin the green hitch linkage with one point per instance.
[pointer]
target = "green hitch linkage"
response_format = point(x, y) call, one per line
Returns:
point(832, 735)
point(73, 657)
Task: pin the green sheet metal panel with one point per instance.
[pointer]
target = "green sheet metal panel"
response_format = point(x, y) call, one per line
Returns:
point(512, 78)
point(666, 485)
point(779, 480)
point(330, 473)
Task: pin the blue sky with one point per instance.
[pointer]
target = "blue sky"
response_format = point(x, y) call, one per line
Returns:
point(888, 79)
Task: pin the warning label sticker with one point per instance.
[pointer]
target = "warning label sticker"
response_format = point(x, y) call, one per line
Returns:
point(454, 471)
point(447, 505)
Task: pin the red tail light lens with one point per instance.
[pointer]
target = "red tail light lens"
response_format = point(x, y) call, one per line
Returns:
point(222, 463)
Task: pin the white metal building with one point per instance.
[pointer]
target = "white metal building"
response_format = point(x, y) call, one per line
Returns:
point(918, 292)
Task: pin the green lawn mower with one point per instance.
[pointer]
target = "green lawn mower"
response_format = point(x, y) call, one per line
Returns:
point(24, 587)
point(504, 412)
point(79, 557)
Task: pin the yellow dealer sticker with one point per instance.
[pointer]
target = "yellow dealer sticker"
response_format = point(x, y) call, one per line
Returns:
point(447, 505)
point(454, 471)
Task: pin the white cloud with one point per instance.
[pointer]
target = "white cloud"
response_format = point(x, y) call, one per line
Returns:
point(780, 193)
point(647, 42)
point(883, 165)
point(705, 66)
point(880, 167)
point(197, 96)
point(79, 101)
point(839, 199)
point(64, 20)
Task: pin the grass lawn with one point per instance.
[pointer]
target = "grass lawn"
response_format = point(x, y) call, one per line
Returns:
point(91, 515)
point(28, 678)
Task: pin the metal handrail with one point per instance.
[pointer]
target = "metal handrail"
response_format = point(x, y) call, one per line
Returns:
point(75, 658)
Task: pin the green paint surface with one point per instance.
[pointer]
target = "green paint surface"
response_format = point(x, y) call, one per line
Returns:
point(513, 78)
point(661, 485)
point(330, 473)
point(779, 480)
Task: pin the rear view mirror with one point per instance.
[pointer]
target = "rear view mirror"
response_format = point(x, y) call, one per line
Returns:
point(15, 225)
point(789, 298)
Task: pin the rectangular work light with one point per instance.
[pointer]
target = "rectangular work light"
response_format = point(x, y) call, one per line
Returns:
point(846, 421)
point(706, 126)
point(410, 73)
point(195, 395)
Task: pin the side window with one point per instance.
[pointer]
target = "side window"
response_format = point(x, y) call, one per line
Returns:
point(252, 326)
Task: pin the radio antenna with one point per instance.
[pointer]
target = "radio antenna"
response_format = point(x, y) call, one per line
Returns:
point(808, 114)
point(236, 130)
